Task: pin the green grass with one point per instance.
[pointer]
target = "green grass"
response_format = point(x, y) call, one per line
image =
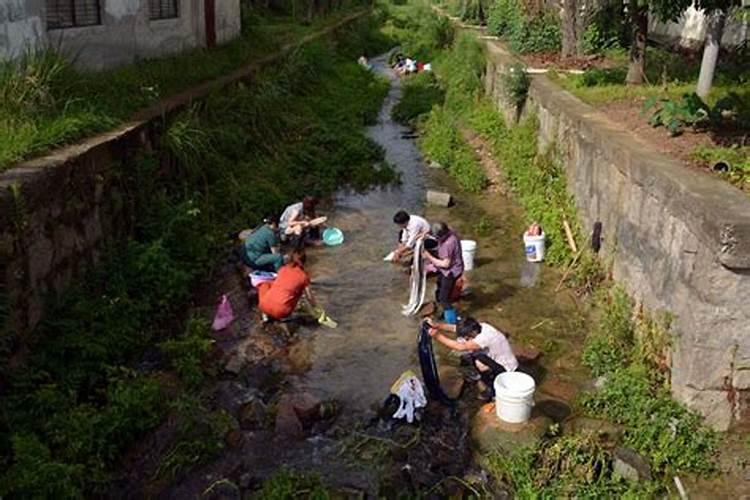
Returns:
point(629, 348)
point(668, 74)
point(78, 405)
point(45, 103)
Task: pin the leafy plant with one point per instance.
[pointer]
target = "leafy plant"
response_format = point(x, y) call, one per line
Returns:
point(610, 346)
point(516, 83)
point(675, 115)
point(502, 14)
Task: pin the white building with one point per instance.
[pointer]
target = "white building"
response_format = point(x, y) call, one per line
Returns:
point(99, 34)
point(690, 30)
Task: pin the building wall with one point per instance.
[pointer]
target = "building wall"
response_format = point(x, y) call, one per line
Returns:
point(22, 26)
point(678, 239)
point(125, 35)
point(690, 30)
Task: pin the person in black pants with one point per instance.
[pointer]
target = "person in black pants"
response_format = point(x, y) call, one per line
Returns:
point(449, 263)
point(488, 348)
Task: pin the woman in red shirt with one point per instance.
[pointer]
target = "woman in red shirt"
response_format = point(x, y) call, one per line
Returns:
point(278, 299)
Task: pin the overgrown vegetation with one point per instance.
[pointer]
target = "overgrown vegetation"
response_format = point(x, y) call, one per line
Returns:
point(45, 103)
point(527, 28)
point(84, 396)
point(516, 83)
point(629, 349)
point(574, 466)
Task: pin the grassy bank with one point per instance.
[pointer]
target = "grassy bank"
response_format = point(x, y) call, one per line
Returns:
point(626, 345)
point(45, 103)
point(87, 393)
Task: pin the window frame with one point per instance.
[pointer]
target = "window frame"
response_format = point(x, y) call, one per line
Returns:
point(73, 16)
point(160, 16)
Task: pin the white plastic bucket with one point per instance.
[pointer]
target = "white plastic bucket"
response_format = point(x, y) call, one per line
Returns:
point(514, 396)
point(535, 246)
point(468, 250)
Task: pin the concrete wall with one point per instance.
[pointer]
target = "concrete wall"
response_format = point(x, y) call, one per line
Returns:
point(690, 30)
point(679, 239)
point(125, 35)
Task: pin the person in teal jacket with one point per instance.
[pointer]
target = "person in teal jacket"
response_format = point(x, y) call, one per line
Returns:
point(261, 249)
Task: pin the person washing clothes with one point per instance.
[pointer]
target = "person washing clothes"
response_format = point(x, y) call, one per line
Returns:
point(488, 348)
point(299, 222)
point(279, 298)
point(413, 228)
point(449, 264)
point(261, 247)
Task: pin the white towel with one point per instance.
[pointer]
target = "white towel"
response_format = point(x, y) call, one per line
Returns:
point(418, 282)
point(411, 395)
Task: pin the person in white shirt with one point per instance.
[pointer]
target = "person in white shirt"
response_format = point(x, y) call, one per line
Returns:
point(489, 349)
point(298, 222)
point(413, 228)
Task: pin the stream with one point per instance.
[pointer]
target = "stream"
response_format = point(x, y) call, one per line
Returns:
point(356, 363)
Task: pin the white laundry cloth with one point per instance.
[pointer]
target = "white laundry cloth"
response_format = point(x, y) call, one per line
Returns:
point(411, 395)
point(418, 282)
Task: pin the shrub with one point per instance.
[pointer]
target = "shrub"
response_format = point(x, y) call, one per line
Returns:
point(502, 14)
point(535, 34)
point(526, 32)
point(516, 83)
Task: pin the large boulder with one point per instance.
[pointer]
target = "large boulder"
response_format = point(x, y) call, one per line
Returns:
point(492, 434)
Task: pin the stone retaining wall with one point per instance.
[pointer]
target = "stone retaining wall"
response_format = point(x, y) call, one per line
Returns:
point(58, 212)
point(679, 239)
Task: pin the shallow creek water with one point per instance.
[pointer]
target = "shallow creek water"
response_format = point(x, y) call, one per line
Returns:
point(375, 343)
point(357, 362)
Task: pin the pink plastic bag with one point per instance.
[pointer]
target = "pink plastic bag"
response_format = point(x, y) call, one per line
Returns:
point(224, 314)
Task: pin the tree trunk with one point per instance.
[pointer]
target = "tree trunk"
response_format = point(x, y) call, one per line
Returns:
point(569, 32)
point(714, 32)
point(637, 64)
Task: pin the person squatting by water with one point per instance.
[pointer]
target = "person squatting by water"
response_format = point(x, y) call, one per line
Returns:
point(488, 348)
point(279, 298)
point(261, 248)
point(299, 223)
point(413, 228)
point(449, 264)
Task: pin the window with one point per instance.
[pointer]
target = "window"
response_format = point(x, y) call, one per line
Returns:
point(72, 13)
point(162, 9)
